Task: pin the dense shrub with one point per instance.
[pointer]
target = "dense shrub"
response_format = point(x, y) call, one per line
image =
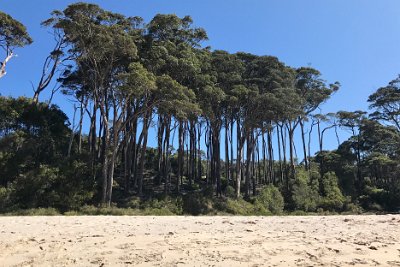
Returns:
point(4, 199)
point(239, 207)
point(332, 198)
point(166, 205)
point(196, 203)
point(63, 188)
point(230, 191)
point(33, 212)
point(271, 199)
point(374, 198)
point(305, 192)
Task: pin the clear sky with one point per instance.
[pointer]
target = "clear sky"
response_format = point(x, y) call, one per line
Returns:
point(355, 42)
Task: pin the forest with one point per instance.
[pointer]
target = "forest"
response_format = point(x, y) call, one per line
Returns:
point(235, 133)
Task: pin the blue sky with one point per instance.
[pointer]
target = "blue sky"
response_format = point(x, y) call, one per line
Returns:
point(355, 42)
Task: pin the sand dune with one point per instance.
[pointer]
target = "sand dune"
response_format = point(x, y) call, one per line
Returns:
point(200, 241)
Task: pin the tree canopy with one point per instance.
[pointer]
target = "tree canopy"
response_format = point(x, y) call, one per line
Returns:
point(13, 34)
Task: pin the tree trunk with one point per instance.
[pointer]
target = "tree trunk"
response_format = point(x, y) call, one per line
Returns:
point(71, 139)
point(248, 162)
point(304, 144)
point(192, 148)
point(264, 148)
point(180, 154)
point(227, 163)
point(105, 147)
point(231, 141)
point(82, 112)
point(4, 63)
point(271, 156)
point(166, 171)
point(291, 150)
point(160, 135)
point(146, 125)
point(199, 165)
point(239, 146)
point(216, 157)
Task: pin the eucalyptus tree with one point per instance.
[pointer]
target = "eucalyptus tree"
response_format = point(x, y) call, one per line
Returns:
point(218, 104)
point(212, 99)
point(381, 153)
point(102, 46)
point(386, 103)
point(170, 49)
point(51, 66)
point(353, 122)
point(137, 97)
point(314, 91)
point(263, 77)
point(178, 101)
point(271, 76)
point(13, 34)
point(287, 108)
point(330, 120)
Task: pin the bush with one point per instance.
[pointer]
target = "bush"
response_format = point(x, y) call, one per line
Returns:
point(47, 186)
point(305, 192)
point(114, 211)
point(352, 208)
point(166, 205)
point(34, 212)
point(271, 199)
point(333, 198)
point(238, 207)
point(133, 203)
point(196, 203)
point(4, 198)
point(157, 212)
point(230, 191)
point(377, 199)
point(209, 191)
point(298, 213)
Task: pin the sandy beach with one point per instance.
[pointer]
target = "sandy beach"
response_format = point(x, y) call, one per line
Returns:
point(200, 241)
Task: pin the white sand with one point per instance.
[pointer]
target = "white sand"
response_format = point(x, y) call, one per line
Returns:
point(200, 241)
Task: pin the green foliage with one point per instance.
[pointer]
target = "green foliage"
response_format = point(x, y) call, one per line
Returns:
point(33, 212)
point(5, 202)
point(32, 157)
point(52, 187)
point(332, 198)
point(230, 192)
point(13, 33)
point(376, 199)
point(385, 101)
point(240, 207)
point(114, 211)
point(352, 208)
point(196, 203)
point(166, 205)
point(299, 213)
point(305, 191)
point(271, 199)
point(30, 135)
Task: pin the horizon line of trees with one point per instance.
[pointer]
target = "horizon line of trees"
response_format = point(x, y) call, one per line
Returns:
point(126, 76)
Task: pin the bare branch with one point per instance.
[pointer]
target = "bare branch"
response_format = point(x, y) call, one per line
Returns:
point(3, 64)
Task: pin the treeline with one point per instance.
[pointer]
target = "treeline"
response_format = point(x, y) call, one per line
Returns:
point(225, 125)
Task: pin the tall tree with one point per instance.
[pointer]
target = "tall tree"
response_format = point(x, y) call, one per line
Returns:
point(13, 34)
point(102, 47)
point(386, 103)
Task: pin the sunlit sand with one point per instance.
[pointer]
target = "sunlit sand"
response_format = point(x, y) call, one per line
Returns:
point(200, 241)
